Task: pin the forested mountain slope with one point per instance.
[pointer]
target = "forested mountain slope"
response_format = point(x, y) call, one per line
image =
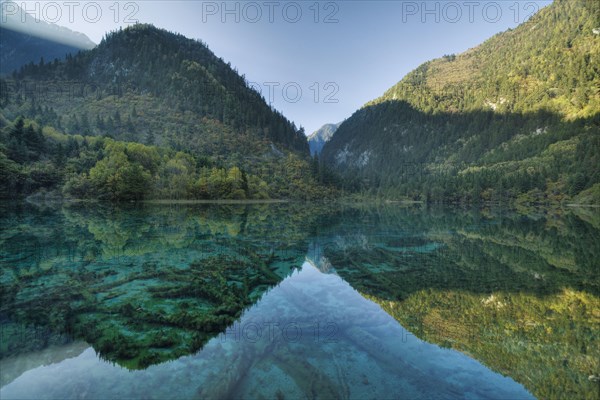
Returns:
point(159, 89)
point(516, 117)
point(153, 85)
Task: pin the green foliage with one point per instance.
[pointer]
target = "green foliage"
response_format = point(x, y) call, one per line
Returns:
point(514, 118)
point(163, 88)
point(12, 177)
point(589, 196)
point(106, 169)
point(547, 63)
point(170, 93)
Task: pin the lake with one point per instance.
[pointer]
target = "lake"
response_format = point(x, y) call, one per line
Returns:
point(294, 300)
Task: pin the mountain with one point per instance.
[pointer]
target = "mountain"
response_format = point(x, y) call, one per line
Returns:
point(513, 118)
point(23, 39)
point(17, 19)
point(178, 88)
point(165, 91)
point(18, 49)
point(318, 138)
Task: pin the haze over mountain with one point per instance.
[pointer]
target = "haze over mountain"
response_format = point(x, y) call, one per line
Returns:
point(18, 49)
point(318, 138)
point(516, 117)
point(25, 39)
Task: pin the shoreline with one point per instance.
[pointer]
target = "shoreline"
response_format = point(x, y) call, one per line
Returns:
point(222, 201)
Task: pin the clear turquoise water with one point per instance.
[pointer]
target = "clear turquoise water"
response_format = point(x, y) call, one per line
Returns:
point(292, 301)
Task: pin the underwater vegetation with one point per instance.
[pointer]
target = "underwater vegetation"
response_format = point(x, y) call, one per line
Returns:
point(520, 294)
point(141, 286)
point(177, 310)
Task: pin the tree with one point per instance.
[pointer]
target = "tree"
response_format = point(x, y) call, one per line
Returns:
point(116, 178)
point(32, 142)
point(577, 183)
point(133, 182)
point(176, 178)
point(17, 130)
point(245, 186)
point(12, 177)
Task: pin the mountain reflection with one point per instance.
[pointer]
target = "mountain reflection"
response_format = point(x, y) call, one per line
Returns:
point(520, 294)
point(143, 285)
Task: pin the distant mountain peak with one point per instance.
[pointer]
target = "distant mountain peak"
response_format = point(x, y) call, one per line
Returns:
point(20, 21)
point(26, 39)
point(318, 138)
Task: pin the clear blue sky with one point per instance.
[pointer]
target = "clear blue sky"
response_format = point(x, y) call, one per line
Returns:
point(349, 51)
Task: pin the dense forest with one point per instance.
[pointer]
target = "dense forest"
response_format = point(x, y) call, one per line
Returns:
point(517, 117)
point(42, 161)
point(514, 119)
point(148, 114)
point(166, 87)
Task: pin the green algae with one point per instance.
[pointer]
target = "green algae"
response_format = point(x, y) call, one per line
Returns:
point(143, 286)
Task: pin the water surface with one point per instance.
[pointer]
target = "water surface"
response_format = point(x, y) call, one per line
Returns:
point(296, 301)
